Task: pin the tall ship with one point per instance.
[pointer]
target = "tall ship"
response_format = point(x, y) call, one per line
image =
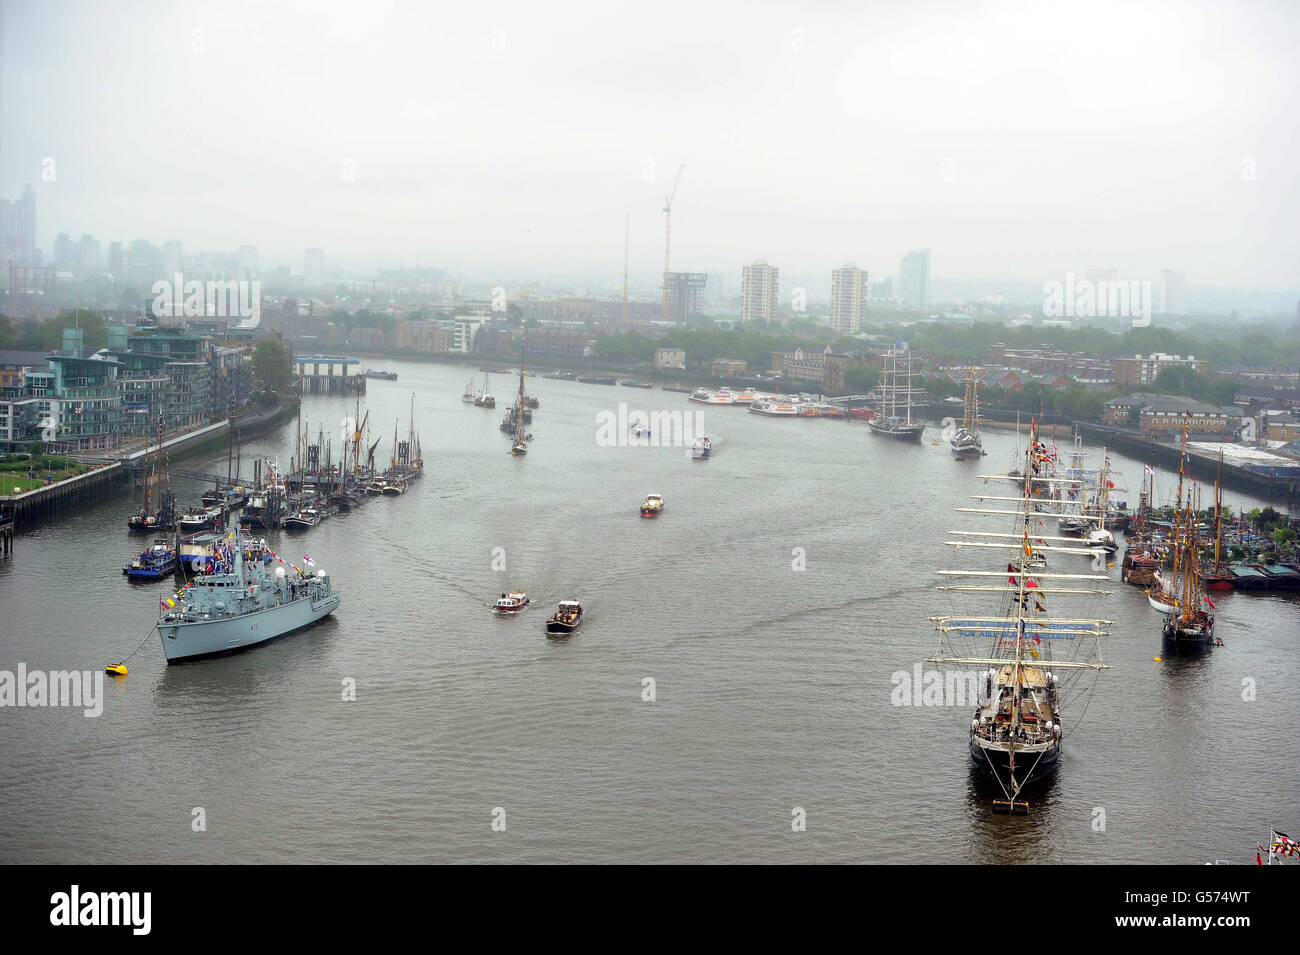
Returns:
point(896, 405)
point(158, 509)
point(1027, 661)
point(241, 604)
point(968, 442)
point(485, 400)
point(1188, 624)
point(519, 418)
point(1215, 574)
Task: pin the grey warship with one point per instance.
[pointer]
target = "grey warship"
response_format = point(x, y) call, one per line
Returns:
point(243, 603)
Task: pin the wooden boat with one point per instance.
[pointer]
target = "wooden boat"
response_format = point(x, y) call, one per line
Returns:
point(566, 619)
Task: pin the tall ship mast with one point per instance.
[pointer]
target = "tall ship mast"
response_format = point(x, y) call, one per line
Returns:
point(1216, 576)
point(158, 511)
point(1027, 663)
point(1189, 626)
point(967, 442)
point(894, 415)
point(519, 437)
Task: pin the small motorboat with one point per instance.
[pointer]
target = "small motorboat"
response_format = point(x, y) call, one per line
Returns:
point(511, 603)
point(566, 619)
point(701, 448)
point(652, 506)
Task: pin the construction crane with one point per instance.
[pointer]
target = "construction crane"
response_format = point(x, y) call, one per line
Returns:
point(668, 232)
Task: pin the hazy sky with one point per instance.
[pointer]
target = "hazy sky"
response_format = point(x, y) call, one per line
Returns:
point(1016, 140)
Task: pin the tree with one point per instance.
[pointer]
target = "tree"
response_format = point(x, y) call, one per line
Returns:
point(1181, 380)
point(1223, 392)
point(271, 364)
point(861, 378)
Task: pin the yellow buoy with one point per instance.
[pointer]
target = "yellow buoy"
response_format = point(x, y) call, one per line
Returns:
point(1157, 659)
point(117, 669)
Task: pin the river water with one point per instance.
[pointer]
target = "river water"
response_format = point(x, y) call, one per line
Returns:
point(772, 685)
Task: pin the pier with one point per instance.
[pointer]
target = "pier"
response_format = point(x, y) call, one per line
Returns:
point(6, 536)
point(330, 375)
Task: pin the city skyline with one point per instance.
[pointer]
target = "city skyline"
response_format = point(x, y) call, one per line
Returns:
point(516, 150)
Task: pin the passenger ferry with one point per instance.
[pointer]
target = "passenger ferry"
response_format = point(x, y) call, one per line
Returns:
point(776, 407)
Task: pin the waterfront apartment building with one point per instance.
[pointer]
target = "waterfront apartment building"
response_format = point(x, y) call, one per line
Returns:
point(1168, 414)
point(1137, 371)
point(849, 289)
point(914, 278)
point(759, 285)
point(424, 336)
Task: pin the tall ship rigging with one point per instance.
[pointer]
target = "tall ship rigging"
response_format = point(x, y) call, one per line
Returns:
point(894, 417)
point(967, 442)
point(1188, 625)
point(1028, 663)
point(158, 510)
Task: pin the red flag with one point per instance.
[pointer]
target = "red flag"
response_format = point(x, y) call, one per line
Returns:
point(1031, 583)
point(1258, 860)
point(1211, 603)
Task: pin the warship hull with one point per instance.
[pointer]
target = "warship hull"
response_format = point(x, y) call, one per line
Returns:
point(183, 640)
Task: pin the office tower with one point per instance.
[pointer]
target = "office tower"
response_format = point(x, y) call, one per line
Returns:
point(247, 262)
point(18, 230)
point(1173, 293)
point(313, 271)
point(914, 278)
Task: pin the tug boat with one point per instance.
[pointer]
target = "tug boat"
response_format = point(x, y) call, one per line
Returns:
point(511, 603)
point(652, 506)
point(566, 619)
point(157, 562)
